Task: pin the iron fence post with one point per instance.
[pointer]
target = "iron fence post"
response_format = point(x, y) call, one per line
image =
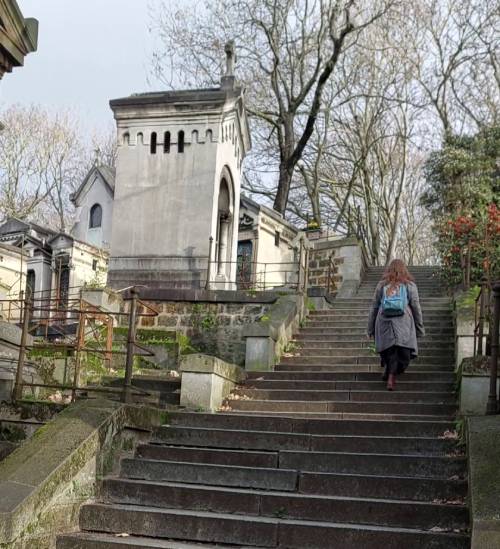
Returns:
point(482, 307)
point(299, 278)
point(80, 343)
point(306, 270)
point(492, 406)
point(129, 363)
point(209, 264)
point(18, 386)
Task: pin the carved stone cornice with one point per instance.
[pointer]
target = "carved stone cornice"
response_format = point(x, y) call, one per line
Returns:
point(18, 36)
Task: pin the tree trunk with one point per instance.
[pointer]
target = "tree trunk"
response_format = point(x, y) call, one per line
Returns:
point(284, 183)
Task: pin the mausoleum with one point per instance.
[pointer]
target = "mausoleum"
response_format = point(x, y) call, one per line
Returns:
point(177, 188)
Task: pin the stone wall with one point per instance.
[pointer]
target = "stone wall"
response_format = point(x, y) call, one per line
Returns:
point(322, 264)
point(46, 480)
point(341, 260)
point(213, 321)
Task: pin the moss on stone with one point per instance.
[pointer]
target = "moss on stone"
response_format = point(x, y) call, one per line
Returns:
point(47, 466)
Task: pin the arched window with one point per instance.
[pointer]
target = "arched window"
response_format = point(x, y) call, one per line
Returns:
point(140, 138)
point(126, 138)
point(194, 136)
point(208, 136)
point(180, 142)
point(166, 142)
point(152, 145)
point(95, 220)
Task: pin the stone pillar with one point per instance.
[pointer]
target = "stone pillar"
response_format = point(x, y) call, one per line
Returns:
point(207, 381)
point(223, 239)
point(260, 353)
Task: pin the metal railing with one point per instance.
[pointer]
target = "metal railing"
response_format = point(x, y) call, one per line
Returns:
point(493, 405)
point(481, 317)
point(75, 330)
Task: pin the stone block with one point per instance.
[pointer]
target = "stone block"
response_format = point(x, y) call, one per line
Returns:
point(483, 437)
point(260, 354)
point(207, 380)
point(148, 321)
point(104, 298)
point(58, 469)
point(168, 320)
point(474, 390)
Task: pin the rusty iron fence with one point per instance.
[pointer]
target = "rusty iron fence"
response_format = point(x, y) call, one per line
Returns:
point(482, 316)
point(494, 328)
point(74, 329)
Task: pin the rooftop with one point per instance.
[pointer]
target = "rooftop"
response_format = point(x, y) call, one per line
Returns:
point(204, 95)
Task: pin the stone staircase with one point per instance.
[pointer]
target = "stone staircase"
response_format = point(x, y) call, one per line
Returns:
point(154, 387)
point(316, 454)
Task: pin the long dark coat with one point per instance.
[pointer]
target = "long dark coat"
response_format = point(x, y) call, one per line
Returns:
point(397, 330)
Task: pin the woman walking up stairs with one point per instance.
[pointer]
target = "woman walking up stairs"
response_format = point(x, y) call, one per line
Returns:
point(395, 320)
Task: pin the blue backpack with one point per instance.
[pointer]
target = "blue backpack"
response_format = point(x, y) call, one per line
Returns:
point(395, 305)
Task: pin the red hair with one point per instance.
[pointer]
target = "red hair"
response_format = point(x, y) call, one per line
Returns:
point(396, 273)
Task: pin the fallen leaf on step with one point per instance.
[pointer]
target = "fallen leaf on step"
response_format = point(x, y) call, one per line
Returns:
point(456, 501)
point(449, 435)
point(225, 409)
point(122, 535)
point(437, 529)
point(260, 379)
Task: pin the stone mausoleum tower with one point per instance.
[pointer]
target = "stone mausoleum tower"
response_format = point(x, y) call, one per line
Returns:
point(177, 185)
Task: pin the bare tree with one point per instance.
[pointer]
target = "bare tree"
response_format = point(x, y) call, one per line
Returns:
point(455, 59)
point(22, 189)
point(44, 156)
point(288, 51)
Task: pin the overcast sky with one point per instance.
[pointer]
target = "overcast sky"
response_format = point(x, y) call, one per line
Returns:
point(89, 51)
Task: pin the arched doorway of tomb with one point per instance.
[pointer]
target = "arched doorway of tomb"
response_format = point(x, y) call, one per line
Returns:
point(225, 225)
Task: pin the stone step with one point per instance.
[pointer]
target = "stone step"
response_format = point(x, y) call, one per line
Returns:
point(204, 473)
point(363, 343)
point(379, 486)
point(361, 309)
point(375, 386)
point(309, 426)
point(351, 375)
point(239, 439)
point(341, 323)
point(334, 337)
point(423, 286)
point(430, 302)
point(257, 531)
point(89, 540)
point(320, 356)
point(328, 365)
point(356, 395)
point(388, 465)
point(333, 350)
point(180, 524)
point(148, 383)
point(209, 454)
point(362, 316)
point(431, 333)
point(382, 407)
point(368, 293)
point(340, 509)
point(419, 276)
point(357, 416)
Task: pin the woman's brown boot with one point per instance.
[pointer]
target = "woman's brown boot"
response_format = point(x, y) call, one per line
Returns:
point(391, 382)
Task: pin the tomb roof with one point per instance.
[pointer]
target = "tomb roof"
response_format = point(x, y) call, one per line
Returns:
point(204, 95)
